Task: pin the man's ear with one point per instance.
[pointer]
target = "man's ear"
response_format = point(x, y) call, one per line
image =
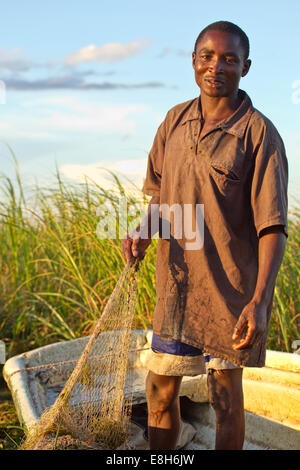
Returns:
point(193, 59)
point(247, 65)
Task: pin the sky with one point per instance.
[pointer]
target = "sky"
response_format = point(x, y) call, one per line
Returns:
point(85, 85)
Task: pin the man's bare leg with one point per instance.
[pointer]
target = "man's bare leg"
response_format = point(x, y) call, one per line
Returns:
point(225, 393)
point(162, 394)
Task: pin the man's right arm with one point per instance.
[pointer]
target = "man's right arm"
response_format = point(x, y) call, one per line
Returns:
point(135, 244)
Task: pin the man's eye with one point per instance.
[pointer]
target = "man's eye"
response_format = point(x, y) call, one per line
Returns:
point(230, 60)
point(205, 57)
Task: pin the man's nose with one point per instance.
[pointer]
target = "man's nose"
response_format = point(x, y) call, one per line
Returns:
point(216, 65)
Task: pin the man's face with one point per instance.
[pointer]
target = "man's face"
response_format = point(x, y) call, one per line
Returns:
point(219, 63)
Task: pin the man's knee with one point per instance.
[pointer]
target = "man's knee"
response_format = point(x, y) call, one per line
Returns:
point(162, 391)
point(225, 391)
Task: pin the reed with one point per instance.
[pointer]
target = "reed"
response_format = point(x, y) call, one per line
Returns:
point(285, 320)
point(57, 274)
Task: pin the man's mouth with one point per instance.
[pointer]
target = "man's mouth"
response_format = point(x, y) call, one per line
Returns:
point(214, 83)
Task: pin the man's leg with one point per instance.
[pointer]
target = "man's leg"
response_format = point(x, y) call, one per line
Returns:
point(225, 394)
point(162, 394)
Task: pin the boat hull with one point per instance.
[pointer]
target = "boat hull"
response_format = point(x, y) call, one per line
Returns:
point(271, 394)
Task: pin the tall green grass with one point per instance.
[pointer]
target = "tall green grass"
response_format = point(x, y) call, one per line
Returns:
point(57, 274)
point(285, 320)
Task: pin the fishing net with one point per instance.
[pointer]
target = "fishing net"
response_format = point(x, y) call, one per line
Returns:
point(95, 403)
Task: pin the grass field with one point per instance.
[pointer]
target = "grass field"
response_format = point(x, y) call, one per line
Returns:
point(11, 434)
point(57, 273)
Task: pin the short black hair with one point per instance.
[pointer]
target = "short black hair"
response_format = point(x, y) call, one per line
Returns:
point(227, 27)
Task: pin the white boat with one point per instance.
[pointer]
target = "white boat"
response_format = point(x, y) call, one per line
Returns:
point(271, 395)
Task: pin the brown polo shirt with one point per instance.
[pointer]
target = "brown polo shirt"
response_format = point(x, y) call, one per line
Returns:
point(238, 174)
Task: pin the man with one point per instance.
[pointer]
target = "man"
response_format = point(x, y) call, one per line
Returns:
point(213, 302)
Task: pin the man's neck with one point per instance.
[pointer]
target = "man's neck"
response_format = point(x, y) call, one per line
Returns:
point(215, 109)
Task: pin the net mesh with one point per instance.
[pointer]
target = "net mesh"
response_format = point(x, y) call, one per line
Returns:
point(95, 403)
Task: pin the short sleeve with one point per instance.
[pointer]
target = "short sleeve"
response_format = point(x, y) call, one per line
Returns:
point(152, 182)
point(269, 198)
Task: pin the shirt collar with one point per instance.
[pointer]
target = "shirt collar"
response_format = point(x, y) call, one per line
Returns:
point(235, 124)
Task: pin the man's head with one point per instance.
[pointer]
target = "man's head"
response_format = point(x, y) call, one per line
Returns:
point(227, 27)
point(220, 58)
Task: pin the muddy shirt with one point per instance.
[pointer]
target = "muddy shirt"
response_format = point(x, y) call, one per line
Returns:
point(229, 185)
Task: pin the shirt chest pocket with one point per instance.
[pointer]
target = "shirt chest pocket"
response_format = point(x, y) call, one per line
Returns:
point(224, 172)
point(224, 180)
point(226, 163)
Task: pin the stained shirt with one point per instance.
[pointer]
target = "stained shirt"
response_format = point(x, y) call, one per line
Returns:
point(225, 187)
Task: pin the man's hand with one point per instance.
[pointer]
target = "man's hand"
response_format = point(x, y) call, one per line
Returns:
point(135, 244)
point(252, 322)
point(134, 247)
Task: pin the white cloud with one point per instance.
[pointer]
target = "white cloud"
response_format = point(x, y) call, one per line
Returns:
point(126, 170)
point(90, 117)
point(111, 52)
point(45, 117)
point(130, 167)
point(4, 125)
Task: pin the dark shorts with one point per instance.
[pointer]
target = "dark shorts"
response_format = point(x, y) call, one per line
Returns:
point(177, 358)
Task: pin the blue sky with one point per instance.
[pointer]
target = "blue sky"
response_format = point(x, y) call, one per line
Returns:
point(87, 83)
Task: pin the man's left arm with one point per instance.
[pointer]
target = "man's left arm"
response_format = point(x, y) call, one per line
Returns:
point(253, 318)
